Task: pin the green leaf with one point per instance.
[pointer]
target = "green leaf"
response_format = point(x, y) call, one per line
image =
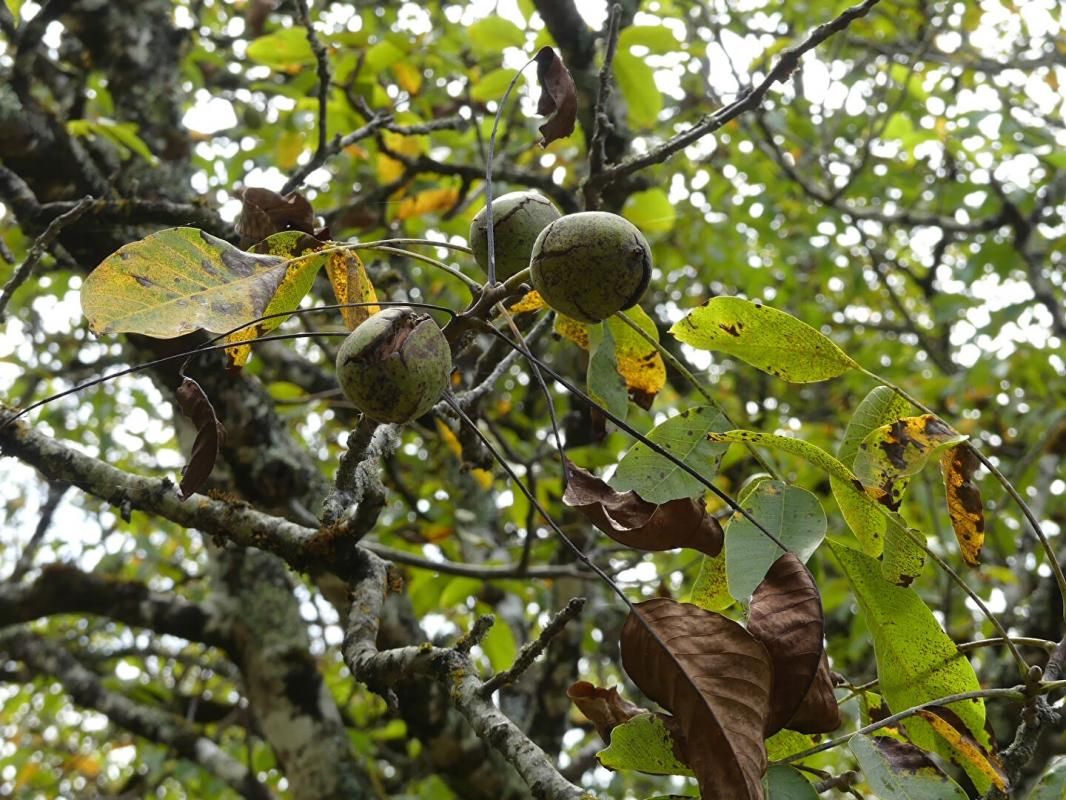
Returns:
point(805, 450)
point(764, 337)
point(651, 211)
point(499, 645)
point(492, 85)
point(917, 662)
point(288, 47)
point(605, 385)
point(1052, 784)
point(643, 744)
point(383, 55)
point(711, 588)
point(684, 436)
point(657, 38)
point(783, 782)
point(785, 742)
point(637, 82)
point(859, 512)
point(458, 591)
point(790, 513)
point(122, 134)
point(491, 34)
point(180, 280)
point(896, 771)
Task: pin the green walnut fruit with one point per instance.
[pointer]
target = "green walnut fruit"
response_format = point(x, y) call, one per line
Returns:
point(590, 265)
point(517, 220)
point(395, 366)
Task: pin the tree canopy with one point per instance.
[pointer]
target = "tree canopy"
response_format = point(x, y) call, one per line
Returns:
point(752, 489)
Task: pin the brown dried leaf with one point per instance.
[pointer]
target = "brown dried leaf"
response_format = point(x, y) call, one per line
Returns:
point(964, 501)
point(819, 712)
point(715, 678)
point(605, 708)
point(786, 616)
point(634, 522)
point(265, 212)
point(209, 436)
point(558, 96)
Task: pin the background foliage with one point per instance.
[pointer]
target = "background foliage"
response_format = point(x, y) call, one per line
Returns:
point(903, 193)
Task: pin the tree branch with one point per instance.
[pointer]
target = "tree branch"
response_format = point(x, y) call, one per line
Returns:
point(382, 670)
point(781, 71)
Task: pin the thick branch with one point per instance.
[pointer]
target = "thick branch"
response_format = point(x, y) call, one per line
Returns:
point(382, 670)
point(65, 589)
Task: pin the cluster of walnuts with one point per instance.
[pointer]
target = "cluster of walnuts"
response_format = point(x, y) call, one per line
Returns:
point(396, 365)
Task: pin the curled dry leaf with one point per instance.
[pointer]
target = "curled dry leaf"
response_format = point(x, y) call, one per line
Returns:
point(964, 501)
point(786, 616)
point(605, 708)
point(558, 96)
point(209, 436)
point(634, 522)
point(715, 678)
point(265, 212)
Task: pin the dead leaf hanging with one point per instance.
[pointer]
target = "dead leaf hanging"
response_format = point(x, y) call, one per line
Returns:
point(265, 212)
point(715, 678)
point(786, 616)
point(605, 708)
point(634, 522)
point(558, 96)
point(964, 501)
point(193, 402)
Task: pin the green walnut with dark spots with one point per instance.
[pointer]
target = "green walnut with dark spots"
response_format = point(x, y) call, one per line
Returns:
point(517, 220)
point(395, 366)
point(590, 265)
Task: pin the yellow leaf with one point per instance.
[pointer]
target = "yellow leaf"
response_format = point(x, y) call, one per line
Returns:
point(290, 145)
point(531, 302)
point(639, 363)
point(427, 202)
point(409, 77)
point(389, 169)
point(351, 284)
point(964, 501)
point(451, 441)
point(483, 477)
point(970, 755)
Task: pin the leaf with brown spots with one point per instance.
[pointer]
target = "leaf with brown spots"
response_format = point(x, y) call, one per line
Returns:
point(964, 501)
point(639, 363)
point(891, 454)
point(982, 766)
point(605, 708)
point(558, 96)
point(786, 616)
point(899, 769)
point(764, 337)
point(715, 678)
point(210, 435)
point(634, 522)
point(265, 212)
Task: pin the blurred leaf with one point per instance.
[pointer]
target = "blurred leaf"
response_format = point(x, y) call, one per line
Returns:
point(282, 50)
point(657, 38)
point(637, 83)
point(491, 34)
point(651, 211)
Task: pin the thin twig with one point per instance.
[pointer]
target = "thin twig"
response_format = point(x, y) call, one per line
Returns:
point(531, 650)
point(479, 571)
point(324, 77)
point(785, 66)
point(601, 121)
point(40, 246)
point(333, 148)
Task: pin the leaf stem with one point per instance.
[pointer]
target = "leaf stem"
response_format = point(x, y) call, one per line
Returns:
point(1049, 551)
point(1012, 693)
